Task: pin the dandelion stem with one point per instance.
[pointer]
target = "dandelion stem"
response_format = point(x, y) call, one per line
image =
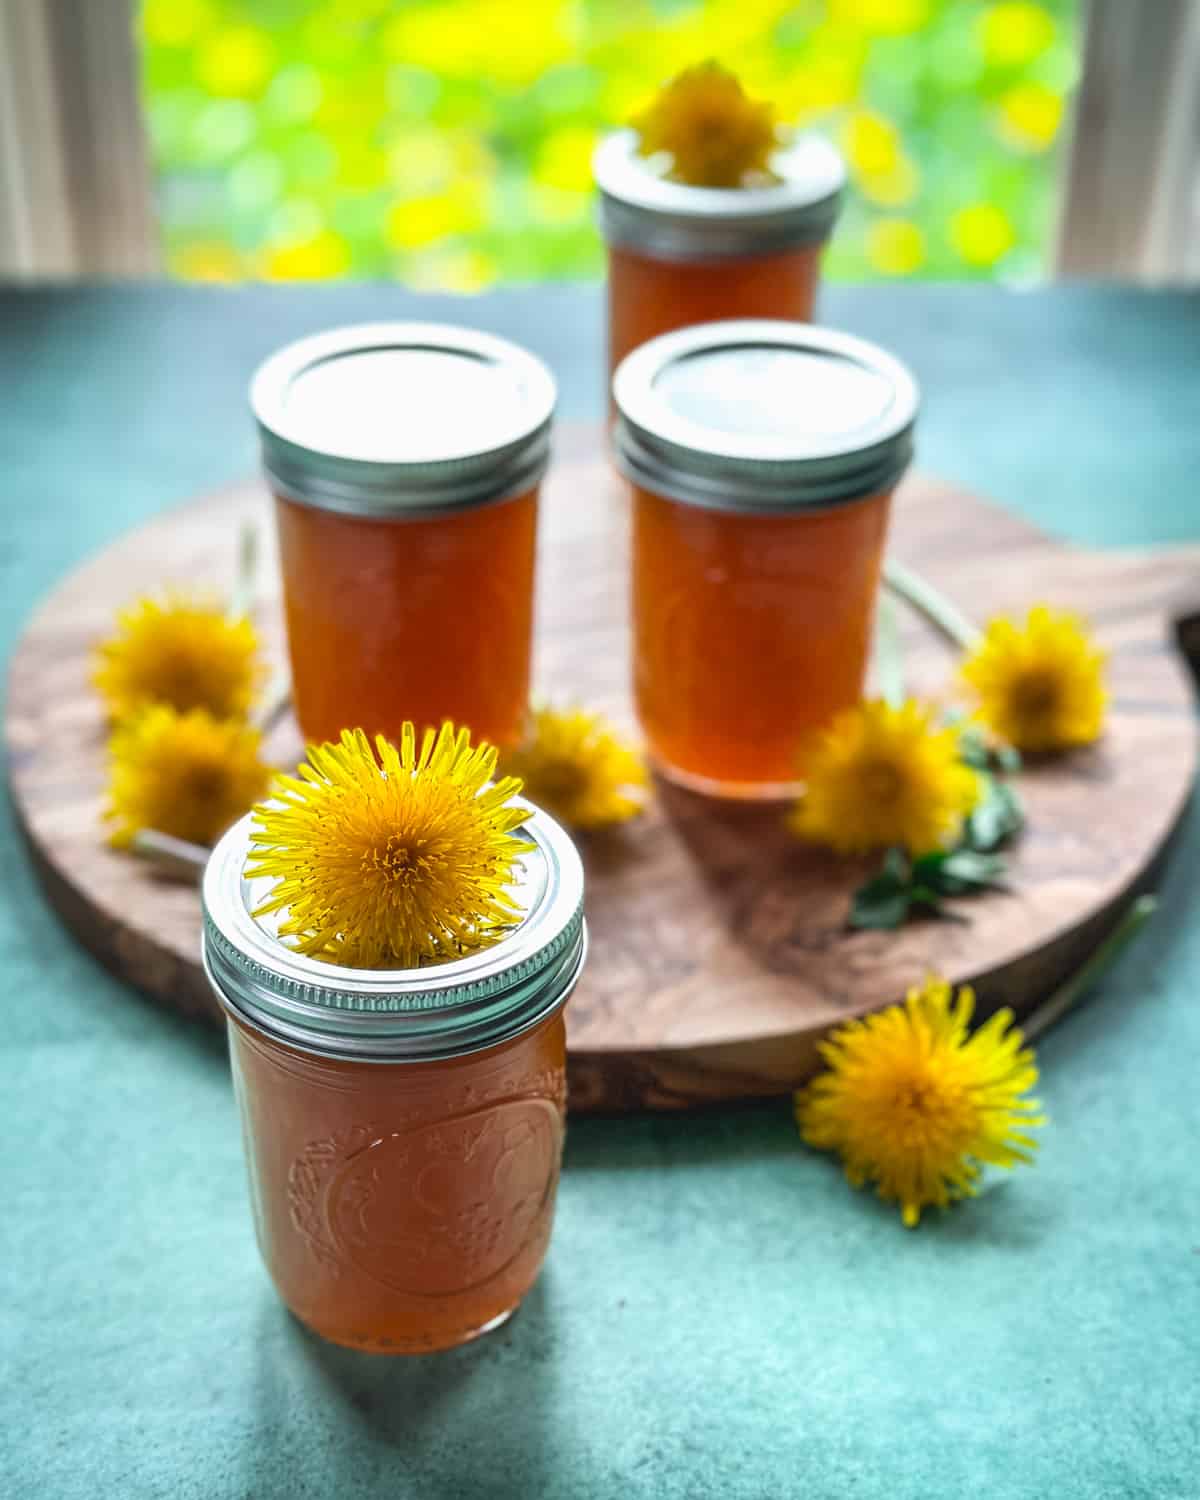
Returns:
point(242, 600)
point(177, 856)
point(1072, 990)
point(930, 602)
point(889, 659)
point(275, 702)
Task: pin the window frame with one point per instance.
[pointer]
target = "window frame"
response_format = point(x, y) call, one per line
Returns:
point(1128, 199)
point(76, 193)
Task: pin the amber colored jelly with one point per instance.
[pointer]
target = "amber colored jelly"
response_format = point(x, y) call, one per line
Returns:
point(750, 633)
point(761, 455)
point(419, 619)
point(403, 1208)
point(648, 295)
point(406, 459)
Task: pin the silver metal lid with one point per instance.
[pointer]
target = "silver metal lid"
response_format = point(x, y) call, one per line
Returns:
point(643, 210)
point(398, 1015)
point(763, 416)
point(398, 419)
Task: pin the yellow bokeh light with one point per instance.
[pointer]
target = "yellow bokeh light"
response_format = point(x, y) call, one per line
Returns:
point(982, 234)
point(624, 95)
point(235, 62)
point(565, 159)
point(361, 165)
point(329, 41)
point(883, 17)
point(472, 155)
point(871, 145)
point(322, 257)
point(174, 23)
point(493, 39)
point(1015, 32)
point(896, 247)
point(891, 189)
point(421, 162)
point(363, 10)
point(353, 105)
point(816, 90)
point(414, 223)
point(1030, 115)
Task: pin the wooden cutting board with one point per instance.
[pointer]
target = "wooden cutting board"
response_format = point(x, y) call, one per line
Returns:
point(719, 947)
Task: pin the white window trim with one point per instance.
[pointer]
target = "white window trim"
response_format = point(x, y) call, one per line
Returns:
point(1129, 194)
point(75, 194)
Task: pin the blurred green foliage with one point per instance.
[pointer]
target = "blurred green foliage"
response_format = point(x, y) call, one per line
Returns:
point(447, 142)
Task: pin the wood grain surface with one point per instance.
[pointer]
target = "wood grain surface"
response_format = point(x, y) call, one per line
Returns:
point(719, 947)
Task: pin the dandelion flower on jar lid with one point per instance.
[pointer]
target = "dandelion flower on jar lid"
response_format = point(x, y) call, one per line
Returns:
point(391, 856)
point(1040, 684)
point(190, 775)
point(916, 1105)
point(715, 135)
point(880, 776)
point(181, 652)
point(575, 765)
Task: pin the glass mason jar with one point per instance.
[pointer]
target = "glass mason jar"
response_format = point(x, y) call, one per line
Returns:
point(680, 255)
point(405, 460)
point(762, 458)
point(403, 1128)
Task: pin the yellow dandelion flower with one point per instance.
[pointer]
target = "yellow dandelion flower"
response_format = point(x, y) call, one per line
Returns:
point(190, 775)
point(184, 653)
point(391, 856)
point(881, 776)
point(714, 133)
point(914, 1104)
point(575, 766)
point(1040, 684)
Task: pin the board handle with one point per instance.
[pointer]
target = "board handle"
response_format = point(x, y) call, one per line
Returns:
point(1185, 623)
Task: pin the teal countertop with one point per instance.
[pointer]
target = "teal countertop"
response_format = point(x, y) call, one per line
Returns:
point(720, 1316)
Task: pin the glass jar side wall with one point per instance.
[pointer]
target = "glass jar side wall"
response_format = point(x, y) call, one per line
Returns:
point(648, 296)
point(750, 633)
point(403, 1207)
point(421, 619)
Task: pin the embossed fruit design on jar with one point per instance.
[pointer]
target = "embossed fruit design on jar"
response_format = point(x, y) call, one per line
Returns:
point(762, 457)
point(403, 1127)
point(405, 460)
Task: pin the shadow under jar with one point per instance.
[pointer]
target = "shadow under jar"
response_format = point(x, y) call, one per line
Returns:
point(405, 460)
point(762, 458)
point(680, 255)
point(403, 1128)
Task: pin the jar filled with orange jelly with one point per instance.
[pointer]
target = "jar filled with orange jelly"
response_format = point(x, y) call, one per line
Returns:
point(680, 255)
point(403, 1128)
point(405, 460)
point(762, 458)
